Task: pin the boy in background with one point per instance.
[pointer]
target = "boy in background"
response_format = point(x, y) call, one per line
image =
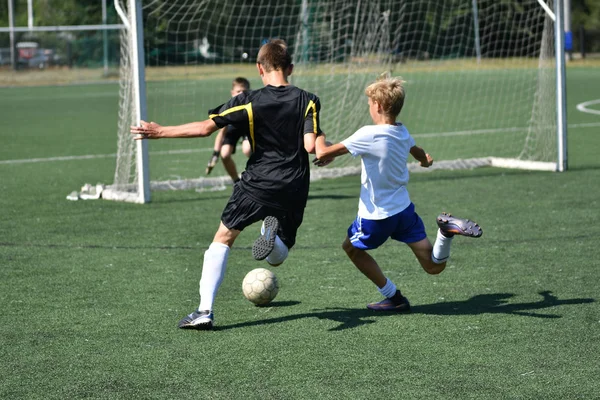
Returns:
point(228, 137)
point(385, 209)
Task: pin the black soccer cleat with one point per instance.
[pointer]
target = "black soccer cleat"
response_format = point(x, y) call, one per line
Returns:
point(451, 226)
point(396, 303)
point(263, 246)
point(199, 320)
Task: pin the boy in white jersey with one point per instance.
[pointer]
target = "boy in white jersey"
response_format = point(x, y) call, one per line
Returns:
point(385, 209)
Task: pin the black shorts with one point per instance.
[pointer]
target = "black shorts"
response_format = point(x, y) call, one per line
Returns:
point(242, 211)
point(233, 135)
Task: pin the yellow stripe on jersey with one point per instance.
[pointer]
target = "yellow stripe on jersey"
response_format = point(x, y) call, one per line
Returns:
point(248, 109)
point(313, 106)
point(251, 124)
point(229, 111)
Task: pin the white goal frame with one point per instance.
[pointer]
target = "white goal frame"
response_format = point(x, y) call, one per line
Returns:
point(134, 25)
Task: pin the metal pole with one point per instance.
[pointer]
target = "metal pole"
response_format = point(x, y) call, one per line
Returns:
point(11, 26)
point(136, 33)
point(561, 117)
point(105, 38)
point(476, 29)
point(29, 14)
point(304, 12)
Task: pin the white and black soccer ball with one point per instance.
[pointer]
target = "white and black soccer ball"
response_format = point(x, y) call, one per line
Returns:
point(260, 286)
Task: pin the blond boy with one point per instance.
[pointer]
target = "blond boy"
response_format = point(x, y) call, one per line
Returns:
point(385, 209)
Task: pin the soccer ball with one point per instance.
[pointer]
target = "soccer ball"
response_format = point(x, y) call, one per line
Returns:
point(260, 286)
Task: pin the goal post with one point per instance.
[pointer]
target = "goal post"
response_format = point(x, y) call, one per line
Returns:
point(485, 79)
point(133, 91)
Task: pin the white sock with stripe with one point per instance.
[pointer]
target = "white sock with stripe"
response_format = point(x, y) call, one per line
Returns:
point(441, 248)
point(213, 271)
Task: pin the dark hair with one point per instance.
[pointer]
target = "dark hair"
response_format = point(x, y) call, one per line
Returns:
point(273, 56)
point(240, 80)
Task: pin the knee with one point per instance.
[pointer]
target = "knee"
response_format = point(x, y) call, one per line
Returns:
point(433, 268)
point(348, 248)
point(226, 152)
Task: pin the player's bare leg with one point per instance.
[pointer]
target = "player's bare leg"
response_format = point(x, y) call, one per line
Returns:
point(228, 163)
point(246, 148)
point(423, 251)
point(216, 150)
point(366, 264)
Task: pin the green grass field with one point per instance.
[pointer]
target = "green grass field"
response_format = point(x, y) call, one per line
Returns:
point(91, 291)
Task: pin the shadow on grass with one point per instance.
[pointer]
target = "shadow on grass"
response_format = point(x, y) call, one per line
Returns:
point(494, 303)
point(497, 303)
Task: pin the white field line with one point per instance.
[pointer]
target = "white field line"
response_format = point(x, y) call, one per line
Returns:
point(189, 151)
point(583, 107)
point(92, 156)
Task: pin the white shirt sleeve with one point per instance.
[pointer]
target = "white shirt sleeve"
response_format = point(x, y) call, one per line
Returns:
point(411, 141)
point(359, 142)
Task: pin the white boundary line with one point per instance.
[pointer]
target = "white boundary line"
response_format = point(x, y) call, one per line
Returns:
point(583, 107)
point(189, 151)
point(92, 156)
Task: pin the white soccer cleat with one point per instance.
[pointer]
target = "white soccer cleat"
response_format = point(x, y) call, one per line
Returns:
point(199, 320)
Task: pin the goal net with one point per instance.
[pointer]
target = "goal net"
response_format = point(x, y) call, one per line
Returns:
point(481, 86)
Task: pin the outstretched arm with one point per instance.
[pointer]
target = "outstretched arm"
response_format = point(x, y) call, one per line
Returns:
point(419, 154)
point(152, 130)
point(326, 151)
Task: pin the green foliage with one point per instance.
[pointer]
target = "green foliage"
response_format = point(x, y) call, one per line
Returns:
point(586, 13)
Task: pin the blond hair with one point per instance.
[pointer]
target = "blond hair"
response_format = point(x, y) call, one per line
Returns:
point(389, 93)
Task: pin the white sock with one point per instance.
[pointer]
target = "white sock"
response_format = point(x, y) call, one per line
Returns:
point(279, 253)
point(213, 271)
point(388, 290)
point(441, 248)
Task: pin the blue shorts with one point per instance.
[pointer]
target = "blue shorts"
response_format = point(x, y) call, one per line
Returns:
point(406, 227)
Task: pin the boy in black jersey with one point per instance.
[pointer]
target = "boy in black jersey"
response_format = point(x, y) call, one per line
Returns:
point(227, 138)
point(283, 122)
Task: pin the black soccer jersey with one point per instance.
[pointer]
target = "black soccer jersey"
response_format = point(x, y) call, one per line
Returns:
point(277, 118)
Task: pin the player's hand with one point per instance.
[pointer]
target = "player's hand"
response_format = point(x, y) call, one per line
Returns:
point(428, 162)
point(146, 130)
point(320, 163)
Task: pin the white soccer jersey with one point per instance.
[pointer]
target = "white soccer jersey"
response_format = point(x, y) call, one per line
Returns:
point(384, 151)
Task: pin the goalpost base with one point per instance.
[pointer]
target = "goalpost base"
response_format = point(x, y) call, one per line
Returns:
point(127, 193)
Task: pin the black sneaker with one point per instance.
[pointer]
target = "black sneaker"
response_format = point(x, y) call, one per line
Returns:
point(199, 320)
point(263, 246)
point(397, 303)
point(451, 226)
